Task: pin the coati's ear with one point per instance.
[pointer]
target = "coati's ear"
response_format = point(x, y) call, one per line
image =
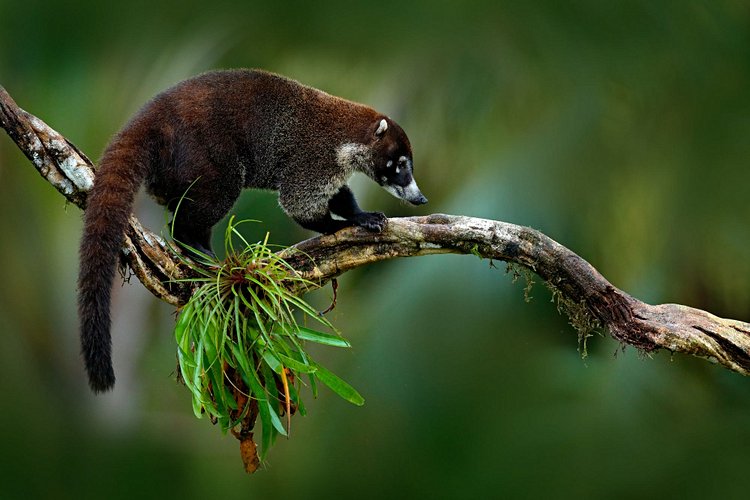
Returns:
point(382, 127)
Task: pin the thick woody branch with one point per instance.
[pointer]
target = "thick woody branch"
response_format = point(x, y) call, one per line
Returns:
point(580, 290)
point(70, 172)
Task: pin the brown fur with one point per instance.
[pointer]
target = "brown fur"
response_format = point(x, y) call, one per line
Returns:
point(200, 143)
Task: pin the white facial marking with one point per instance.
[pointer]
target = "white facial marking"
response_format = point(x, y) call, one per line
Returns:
point(411, 191)
point(382, 127)
point(393, 190)
point(390, 162)
point(398, 169)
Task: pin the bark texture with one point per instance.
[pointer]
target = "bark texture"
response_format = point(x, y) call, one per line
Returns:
point(580, 290)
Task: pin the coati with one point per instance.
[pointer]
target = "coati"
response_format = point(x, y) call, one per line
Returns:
point(199, 143)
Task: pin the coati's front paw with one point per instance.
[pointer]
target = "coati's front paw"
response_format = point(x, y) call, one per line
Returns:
point(372, 221)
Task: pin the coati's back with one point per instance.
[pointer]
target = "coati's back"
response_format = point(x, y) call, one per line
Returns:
point(249, 119)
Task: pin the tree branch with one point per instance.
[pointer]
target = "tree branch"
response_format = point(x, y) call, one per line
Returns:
point(580, 290)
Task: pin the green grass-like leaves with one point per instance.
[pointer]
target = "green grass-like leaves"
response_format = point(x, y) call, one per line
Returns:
point(241, 348)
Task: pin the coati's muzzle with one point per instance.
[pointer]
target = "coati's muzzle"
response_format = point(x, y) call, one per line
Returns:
point(410, 193)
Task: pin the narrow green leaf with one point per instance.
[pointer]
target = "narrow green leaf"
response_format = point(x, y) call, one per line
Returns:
point(296, 365)
point(198, 364)
point(321, 337)
point(274, 290)
point(241, 358)
point(259, 320)
point(338, 385)
point(271, 390)
point(181, 328)
point(233, 229)
point(313, 385)
point(197, 407)
point(262, 305)
point(276, 420)
point(272, 361)
point(296, 399)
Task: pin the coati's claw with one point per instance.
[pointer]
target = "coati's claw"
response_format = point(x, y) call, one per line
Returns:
point(372, 221)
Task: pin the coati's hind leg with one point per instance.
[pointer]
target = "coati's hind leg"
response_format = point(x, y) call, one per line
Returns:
point(192, 237)
point(199, 209)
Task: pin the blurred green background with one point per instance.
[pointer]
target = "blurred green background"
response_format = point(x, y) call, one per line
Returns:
point(621, 129)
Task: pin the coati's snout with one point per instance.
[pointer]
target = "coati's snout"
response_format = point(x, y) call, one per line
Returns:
point(420, 199)
point(412, 194)
point(401, 183)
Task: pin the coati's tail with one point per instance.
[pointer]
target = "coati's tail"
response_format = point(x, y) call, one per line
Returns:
point(120, 173)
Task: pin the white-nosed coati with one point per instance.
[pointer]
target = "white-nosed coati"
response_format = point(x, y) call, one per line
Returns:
point(201, 142)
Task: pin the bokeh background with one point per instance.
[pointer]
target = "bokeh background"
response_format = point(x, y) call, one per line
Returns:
point(621, 129)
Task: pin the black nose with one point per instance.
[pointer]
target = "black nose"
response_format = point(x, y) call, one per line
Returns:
point(421, 200)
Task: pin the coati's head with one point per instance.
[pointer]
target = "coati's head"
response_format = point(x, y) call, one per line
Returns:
point(392, 162)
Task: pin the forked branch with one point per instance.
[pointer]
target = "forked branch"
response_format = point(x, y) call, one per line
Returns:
point(584, 294)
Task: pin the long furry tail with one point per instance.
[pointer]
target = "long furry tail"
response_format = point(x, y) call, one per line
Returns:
point(120, 174)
